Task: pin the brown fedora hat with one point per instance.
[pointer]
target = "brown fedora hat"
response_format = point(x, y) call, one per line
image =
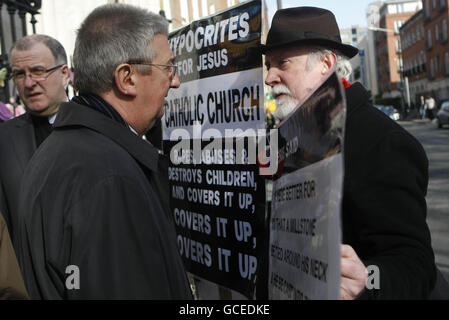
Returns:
point(306, 25)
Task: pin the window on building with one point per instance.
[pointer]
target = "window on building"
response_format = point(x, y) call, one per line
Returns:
point(442, 3)
point(413, 37)
point(437, 64)
point(391, 9)
point(397, 25)
point(418, 34)
point(196, 10)
point(426, 9)
point(437, 33)
point(432, 70)
point(434, 4)
point(429, 39)
point(185, 12)
point(205, 8)
point(446, 63)
point(444, 30)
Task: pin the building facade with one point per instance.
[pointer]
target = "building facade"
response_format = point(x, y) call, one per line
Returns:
point(372, 18)
point(393, 14)
point(413, 45)
point(356, 36)
point(353, 36)
point(435, 25)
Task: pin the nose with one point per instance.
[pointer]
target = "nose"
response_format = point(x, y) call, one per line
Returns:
point(272, 78)
point(175, 82)
point(28, 81)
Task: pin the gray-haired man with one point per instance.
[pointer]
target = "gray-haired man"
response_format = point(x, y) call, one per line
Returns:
point(40, 74)
point(93, 225)
point(384, 207)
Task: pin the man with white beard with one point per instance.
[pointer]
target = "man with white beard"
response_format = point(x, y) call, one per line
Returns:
point(386, 169)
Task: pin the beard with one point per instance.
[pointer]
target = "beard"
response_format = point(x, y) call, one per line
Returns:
point(285, 104)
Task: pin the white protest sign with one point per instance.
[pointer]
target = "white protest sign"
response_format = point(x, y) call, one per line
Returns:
point(305, 232)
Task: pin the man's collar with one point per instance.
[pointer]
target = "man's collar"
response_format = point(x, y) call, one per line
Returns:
point(73, 114)
point(52, 118)
point(356, 96)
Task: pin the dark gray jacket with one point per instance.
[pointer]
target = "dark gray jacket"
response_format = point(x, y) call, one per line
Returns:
point(384, 206)
point(93, 200)
point(17, 145)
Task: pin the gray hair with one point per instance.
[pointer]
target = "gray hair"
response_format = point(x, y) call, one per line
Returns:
point(113, 34)
point(56, 48)
point(343, 68)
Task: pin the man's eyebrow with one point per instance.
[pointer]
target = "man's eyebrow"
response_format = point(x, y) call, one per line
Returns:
point(39, 66)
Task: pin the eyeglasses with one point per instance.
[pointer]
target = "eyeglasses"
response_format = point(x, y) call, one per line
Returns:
point(37, 74)
point(171, 69)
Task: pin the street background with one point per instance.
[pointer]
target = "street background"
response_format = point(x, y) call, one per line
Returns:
point(436, 143)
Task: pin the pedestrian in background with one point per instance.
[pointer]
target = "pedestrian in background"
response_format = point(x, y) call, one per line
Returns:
point(40, 73)
point(15, 108)
point(430, 107)
point(422, 108)
point(5, 113)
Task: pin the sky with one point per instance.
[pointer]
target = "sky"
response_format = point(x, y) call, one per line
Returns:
point(348, 12)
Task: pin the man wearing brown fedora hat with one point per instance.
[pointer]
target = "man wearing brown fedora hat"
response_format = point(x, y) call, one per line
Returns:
point(386, 169)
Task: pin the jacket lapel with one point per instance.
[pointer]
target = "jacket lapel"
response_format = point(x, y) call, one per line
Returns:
point(73, 114)
point(356, 97)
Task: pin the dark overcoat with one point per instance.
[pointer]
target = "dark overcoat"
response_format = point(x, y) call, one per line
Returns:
point(92, 224)
point(17, 145)
point(384, 206)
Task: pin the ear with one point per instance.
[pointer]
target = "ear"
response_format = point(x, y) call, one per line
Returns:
point(65, 76)
point(329, 62)
point(125, 79)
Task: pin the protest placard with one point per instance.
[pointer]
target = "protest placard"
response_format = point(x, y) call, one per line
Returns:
point(217, 197)
point(305, 231)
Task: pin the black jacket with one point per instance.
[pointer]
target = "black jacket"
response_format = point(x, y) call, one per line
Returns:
point(384, 206)
point(91, 198)
point(17, 145)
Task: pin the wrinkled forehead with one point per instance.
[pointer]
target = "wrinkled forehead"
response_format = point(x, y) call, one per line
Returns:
point(38, 53)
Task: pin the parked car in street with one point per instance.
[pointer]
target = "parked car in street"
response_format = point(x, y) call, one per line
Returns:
point(389, 111)
point(443, 114)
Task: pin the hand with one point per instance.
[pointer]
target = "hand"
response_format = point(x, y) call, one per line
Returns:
point(353, 274)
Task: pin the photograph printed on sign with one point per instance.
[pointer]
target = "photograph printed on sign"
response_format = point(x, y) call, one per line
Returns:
point(315, 130)
point(304, 249)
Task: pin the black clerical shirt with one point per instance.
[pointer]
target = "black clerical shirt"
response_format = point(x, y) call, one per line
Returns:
point(42, 128)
